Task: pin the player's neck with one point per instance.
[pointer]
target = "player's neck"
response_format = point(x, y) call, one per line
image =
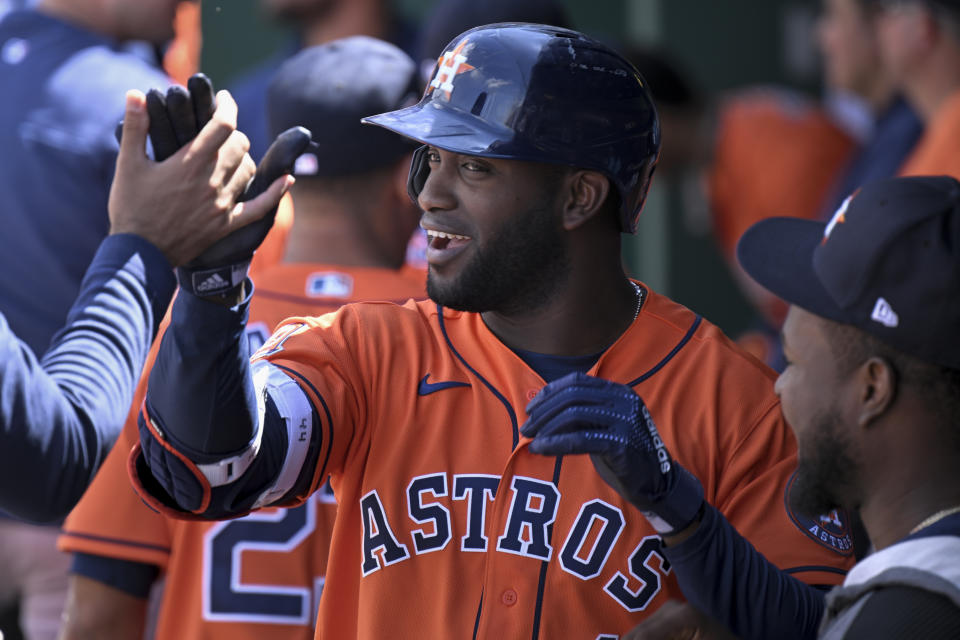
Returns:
point(357, 17)
point(585, 317)
point(910, 484)
point(336, 240)
point(930, 86)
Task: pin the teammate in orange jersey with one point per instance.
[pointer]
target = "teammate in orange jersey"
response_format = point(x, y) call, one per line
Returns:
point(920, 45)
point(539, 147)
point(260, 576)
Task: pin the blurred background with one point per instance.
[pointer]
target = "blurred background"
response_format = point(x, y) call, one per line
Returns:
point(717, 46)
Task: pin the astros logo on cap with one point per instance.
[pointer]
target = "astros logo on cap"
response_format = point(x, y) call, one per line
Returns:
point(839, 217)
point(449, 66)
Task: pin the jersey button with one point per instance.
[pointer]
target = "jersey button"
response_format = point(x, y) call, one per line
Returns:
point(509, 597)
point(532, 393)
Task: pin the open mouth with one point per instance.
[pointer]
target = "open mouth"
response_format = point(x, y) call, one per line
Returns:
point(444, 246)
point(441, 240)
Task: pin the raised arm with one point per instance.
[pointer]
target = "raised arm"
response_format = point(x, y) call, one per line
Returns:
point(59, 416)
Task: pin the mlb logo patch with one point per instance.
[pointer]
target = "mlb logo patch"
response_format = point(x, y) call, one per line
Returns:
point(329, 284)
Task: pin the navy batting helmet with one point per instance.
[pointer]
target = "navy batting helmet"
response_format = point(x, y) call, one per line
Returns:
point(542, 94)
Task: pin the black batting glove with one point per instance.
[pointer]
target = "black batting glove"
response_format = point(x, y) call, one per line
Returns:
point(175, 119)
point(583, 414)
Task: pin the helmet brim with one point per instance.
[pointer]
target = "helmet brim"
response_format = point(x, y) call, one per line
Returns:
point(447, 129)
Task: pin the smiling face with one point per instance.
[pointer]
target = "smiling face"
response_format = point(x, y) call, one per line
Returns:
point(812, 389)
point(495, 237)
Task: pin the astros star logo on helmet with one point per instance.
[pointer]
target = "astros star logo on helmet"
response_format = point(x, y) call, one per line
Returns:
point(449, 66)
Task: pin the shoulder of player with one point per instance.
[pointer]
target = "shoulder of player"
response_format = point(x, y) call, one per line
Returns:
point(672, 322)
point(370, 317)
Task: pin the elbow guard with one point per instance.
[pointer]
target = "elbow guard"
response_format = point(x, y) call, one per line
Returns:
point(183, 483)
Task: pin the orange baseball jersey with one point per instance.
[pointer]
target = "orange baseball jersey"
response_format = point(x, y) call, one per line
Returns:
point(775, 154)
point(254, 577)
point(448, 527)
point(937, 152)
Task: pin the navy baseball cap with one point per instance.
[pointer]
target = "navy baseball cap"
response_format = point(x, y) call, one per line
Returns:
point(888, 262)
point(329, 88)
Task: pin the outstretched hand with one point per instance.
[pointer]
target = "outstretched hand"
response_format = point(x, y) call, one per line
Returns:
point(175, 120)
point(583, 414)
point(193, 199)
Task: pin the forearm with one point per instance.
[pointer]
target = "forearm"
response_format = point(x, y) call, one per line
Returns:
point(95, 611)
point(723, 575)
point(60, 416)
point(207, 448)
point(200, 392)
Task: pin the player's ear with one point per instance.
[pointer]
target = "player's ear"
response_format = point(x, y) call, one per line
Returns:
point(877, 386)
point(584, 193)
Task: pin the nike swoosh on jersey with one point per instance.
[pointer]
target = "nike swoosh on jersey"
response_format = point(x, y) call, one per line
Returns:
point(426, 388)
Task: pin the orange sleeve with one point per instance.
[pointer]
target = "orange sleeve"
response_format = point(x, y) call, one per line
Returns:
point(937, 152)
point(182, 58)
point(774, 155)
point(111, 520)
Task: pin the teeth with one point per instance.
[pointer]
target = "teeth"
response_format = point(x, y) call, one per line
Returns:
point(449, 236)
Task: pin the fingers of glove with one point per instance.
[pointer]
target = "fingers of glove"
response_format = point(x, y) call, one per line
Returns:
point(554, 388)
point(582, 381)
point(603, 407)
point(162, 136)
point(579, 418)
point(586, 440)
point(201, 95)
point(262, 210)
point(279, 159)
point(180, 112)
point(220, 127)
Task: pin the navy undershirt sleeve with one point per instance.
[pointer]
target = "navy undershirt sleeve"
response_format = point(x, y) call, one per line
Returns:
point(60, 416)
point(201, 382)
point(723, 575)
point(134, 578)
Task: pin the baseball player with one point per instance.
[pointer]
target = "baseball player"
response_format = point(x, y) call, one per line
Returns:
point(872, 392)
point(539, 145)
point(262, 575)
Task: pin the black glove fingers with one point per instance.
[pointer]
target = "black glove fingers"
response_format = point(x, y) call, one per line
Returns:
point(571, 420)
point(566, 398)
point(561, 444)
point(278, 160)
point(553, 388)
point(180, 111)
point(202, 98)
point(162, 136)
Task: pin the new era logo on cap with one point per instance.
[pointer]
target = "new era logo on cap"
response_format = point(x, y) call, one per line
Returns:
point(888, 263)
point(884, 314)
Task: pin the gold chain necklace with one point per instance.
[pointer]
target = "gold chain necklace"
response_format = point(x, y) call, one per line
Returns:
point(937, 517)
point(639, 299)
